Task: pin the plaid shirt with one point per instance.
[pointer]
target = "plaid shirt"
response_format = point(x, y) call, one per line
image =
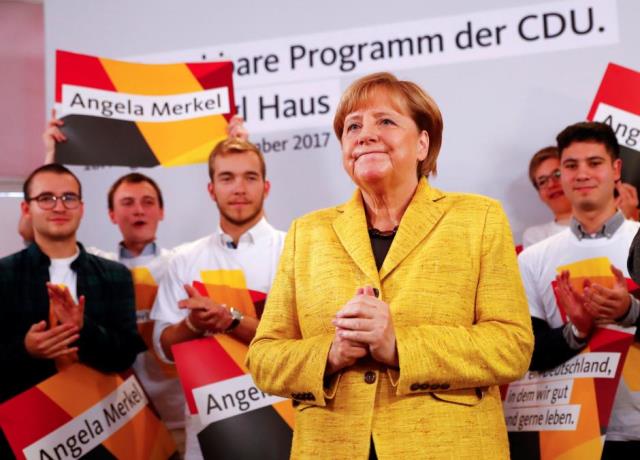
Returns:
point(109, 340)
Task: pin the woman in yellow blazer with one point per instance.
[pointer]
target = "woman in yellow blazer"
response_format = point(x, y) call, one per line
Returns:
point(393, 318)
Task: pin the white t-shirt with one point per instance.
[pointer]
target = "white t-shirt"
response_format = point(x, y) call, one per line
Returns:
point(257, 255)
point(60, 272)
point(540, 232)
point(158, 378)
point(538, 267)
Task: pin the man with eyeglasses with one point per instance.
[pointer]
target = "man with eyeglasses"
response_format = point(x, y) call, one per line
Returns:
point(544, 173)
point(59, 303)
point(592, 251)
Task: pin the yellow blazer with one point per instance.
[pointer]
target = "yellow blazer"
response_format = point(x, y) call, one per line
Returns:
point(460, 317)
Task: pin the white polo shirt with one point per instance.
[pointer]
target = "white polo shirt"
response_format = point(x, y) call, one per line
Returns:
point(256, 256)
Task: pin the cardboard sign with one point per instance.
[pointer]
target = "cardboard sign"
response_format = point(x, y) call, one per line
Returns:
point(80, 410)
point(235, 418)
point(128, 114)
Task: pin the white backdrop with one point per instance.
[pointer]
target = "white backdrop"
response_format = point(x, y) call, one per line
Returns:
point(500, 103)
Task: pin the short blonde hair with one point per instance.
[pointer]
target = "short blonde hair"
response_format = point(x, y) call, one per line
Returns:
point(235, 145)
point(419, 105)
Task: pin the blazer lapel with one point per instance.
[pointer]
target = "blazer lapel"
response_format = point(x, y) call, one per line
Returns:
point(419, 219)
point(351, 228)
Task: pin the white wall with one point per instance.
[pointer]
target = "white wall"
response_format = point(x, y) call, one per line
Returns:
point(497, 111)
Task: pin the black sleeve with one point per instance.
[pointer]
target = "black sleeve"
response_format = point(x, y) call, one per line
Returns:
point(633, 261)
point(550, 348)
point(111, 343)
point(23, 302)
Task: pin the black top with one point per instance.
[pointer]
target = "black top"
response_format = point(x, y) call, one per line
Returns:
point(380, 244)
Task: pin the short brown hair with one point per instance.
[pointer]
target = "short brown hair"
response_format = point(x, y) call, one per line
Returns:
point(421, 107)
point(590, 131)
point(540, 157)
point(133, 178)
point(55, 168)
point(236, 145)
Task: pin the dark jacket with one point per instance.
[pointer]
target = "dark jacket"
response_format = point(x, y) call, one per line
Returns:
point(109, 340)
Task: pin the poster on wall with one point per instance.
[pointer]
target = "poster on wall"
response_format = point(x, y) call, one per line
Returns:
point(119, 113)
point(79, 411)
point(617, 103)
point(233, 418)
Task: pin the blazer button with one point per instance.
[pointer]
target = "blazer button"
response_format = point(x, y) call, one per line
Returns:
point(424, 386)
point(434, 386)
point(445, 386)
point(414, 387)
point(311, 397)
point(369, 377)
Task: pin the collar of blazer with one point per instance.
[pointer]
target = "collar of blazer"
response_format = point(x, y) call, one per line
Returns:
point(419, 219)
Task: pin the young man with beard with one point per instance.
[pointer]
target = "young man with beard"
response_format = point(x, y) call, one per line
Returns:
point(544, 173)
point(242, 254)
point(44, 326)
point(590, 168)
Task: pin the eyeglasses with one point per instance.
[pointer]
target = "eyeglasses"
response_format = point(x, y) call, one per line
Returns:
point(545, 181)
point(47, 201)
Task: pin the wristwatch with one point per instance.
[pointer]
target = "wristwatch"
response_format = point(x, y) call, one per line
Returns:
point(236, 316)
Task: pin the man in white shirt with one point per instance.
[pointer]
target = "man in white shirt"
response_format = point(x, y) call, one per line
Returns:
point(242, 255)
point(596, 243)
point(544, 173)
point(136, 206)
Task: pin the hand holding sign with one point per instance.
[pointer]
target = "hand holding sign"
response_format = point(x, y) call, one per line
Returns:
point(237, 129)
point(51, 136)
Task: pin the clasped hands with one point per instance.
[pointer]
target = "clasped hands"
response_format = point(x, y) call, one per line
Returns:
point(363, 326)
point(204, 314)
point(44, 343)
point(596, 304)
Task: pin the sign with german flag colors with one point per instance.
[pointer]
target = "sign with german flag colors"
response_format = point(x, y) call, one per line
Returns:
point(617, 103)
point(146, 288)
point(236, 419)
point(563, 413)
point(129, 114)
point(80, 410)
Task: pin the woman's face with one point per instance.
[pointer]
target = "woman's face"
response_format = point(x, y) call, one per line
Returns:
point(381, 142)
